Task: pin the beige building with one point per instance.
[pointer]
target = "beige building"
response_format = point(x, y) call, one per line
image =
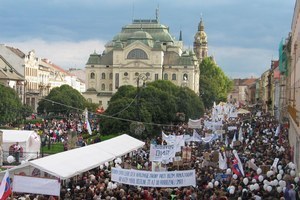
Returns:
point(12, 69)
point(293, 87)
point(243, 92)
point(32, 77)
point(143, 51)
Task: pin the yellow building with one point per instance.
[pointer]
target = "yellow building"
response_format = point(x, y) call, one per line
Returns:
point(143, 51)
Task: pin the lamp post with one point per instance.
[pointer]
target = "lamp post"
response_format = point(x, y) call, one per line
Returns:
point(43, 143)
point(138, 127)
point(142, 77)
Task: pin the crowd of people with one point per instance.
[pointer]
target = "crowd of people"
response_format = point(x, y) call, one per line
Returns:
point(263, 150)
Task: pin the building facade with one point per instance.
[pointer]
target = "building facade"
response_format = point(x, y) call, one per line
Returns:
point(293, 87)
point(243, 92)
point(143, 51)
point(32, 77)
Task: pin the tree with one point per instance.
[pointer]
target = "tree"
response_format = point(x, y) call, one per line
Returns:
point(214, 84)
point(63, 100)
point(11, 107)
point(156, 104)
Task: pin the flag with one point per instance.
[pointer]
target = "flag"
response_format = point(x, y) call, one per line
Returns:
point(222, 160)
point(196, 136)
point(277, 131)
point(226, 141)
point(233, 140)
point(87, 123)
point(170, 139)
point(240, 138)
point(5, 187)
point(237, 166)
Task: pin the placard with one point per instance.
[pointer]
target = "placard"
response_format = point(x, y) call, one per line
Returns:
point(154, 179)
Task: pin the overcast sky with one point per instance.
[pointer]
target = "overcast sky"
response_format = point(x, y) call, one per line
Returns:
point(243, 36)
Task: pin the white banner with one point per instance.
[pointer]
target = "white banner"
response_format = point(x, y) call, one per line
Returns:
point(154, 179)
point(161, 152)
point(35, 185)
point(194, 123)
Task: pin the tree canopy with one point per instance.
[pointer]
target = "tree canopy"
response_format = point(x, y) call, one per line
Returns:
point(63, 100)
point(155, 105)
point(11, 108)
point(214, 84)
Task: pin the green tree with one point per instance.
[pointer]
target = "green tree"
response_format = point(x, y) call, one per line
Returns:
point(11, 108)
point(214, 84)
point(154, 105)
point(63, 100)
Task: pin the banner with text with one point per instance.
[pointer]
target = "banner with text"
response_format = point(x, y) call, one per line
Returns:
point(161, 152)
point(154, 179)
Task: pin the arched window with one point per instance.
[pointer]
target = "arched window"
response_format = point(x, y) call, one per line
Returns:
point(103, 75)
point(166, 76)
point(110, 87)
point(110, 75)
point(92, 76)
point(137, 54)
point(103, 86)
point(174, 77)
point(185, 77)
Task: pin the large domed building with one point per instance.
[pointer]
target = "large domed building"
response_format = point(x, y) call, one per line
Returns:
point(143, 51)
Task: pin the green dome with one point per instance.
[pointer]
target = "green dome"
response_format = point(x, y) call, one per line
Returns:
point(141, 36)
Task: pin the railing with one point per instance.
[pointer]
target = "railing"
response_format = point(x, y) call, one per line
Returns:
point(293, 113)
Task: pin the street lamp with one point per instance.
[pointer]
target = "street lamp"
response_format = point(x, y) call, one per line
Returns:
point(43, 138)
point(138, 127)
point(142, 77)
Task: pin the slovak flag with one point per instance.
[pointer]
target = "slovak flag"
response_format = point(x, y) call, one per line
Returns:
point(237, 166)
point(5, 187)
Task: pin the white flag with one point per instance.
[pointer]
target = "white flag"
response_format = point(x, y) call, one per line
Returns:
point(233, 140)
point(240, 138)
point(88, 126)
point(196, 136)
point(222, 161)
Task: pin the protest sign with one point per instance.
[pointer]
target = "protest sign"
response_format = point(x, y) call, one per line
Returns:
point(161, 152)
point(154, 179)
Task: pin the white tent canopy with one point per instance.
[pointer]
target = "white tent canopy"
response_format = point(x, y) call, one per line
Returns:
point(29, 141)
point(70, 163)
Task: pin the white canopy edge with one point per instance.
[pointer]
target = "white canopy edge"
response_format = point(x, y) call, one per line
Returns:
point(70, 163)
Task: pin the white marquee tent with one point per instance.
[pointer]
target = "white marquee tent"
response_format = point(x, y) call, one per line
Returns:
point(70, 163)
point(29, 141)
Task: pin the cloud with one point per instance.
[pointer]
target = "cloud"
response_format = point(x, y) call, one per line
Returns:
point(64, 54)
point(239, 62)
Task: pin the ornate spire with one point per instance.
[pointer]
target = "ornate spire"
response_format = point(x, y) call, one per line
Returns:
point(180, 36)
point(201, 25)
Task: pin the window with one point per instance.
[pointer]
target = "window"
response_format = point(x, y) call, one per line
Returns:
point(185, 77)
point(117, 81)
point(110, 87)
point(174, 77)
point(100, 103)
point(103, 75)
point(92, 76)
point(111, 76)
point(137, 54)
point(136, 74)
point(103, 86)
point(156, 77)
point(166, 76)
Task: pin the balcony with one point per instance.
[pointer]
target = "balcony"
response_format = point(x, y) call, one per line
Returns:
point(294, 114)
